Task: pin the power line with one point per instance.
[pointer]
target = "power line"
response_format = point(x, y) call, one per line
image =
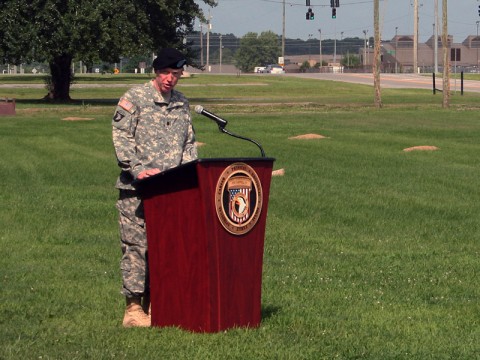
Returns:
point(303, 4)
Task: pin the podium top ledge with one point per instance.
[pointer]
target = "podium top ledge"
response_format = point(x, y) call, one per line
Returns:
point(203, 160)
point(189, 165)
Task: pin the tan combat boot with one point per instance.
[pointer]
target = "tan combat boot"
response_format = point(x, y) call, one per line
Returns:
point(134, 314)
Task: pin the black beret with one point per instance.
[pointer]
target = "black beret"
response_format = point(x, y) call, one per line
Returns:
point(169, 58)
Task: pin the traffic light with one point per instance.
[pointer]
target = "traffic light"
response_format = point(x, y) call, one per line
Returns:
point(478, 10)
point(332, 3)
point(337, 3)
point(334, 13)
point(310, 14)
point(307, 3)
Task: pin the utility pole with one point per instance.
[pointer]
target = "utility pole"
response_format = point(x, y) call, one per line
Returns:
point(209, 27)
point(221, 48)
point(283, 31)
point(321, 60)
point(201, 44)
point(310, 36)
point(446, 63)
point(415, 37)
point(365, 49)
point(340, 45)
point(396, 49)
point(478, 22)
point(435, 45)
point(377, 56)
point(335, 46)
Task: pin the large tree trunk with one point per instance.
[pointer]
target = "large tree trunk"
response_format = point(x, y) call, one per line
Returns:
point(60, 78)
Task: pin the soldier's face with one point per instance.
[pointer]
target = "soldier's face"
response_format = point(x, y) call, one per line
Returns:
point(167, 79)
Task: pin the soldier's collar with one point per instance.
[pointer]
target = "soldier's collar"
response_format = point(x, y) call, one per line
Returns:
point(164, 98)
point(160, 98)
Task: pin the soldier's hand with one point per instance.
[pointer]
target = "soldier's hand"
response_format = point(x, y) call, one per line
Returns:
point(147, 173)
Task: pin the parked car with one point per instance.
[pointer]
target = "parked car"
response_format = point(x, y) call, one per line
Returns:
point(275, 69)
point(259, 69)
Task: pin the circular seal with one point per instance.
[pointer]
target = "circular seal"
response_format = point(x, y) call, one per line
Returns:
point(238, 198)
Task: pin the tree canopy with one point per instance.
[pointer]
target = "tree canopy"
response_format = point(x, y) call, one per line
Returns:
point(258, 50)
point(59, 31)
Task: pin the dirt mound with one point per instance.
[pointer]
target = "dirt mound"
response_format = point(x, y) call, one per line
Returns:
point(307, 137)
point(279, 172)
point(422, 148)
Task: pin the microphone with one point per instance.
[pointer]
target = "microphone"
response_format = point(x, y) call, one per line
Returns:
point(220, 122)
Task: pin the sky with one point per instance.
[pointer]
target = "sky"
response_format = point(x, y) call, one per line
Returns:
point(239, 17)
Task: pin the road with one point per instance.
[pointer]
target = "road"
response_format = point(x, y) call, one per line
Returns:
point(392, 81)
point(398, 81)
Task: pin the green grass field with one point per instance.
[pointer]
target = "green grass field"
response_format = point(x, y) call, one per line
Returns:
point(370, 252)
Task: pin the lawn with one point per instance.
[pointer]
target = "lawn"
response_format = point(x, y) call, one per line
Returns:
point(371, 252)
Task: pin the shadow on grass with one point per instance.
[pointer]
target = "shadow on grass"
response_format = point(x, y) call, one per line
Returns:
point(269, 311)
point(99, 102)
point(72, 102)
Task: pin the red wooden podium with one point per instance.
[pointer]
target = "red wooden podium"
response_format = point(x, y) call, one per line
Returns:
point(206, 228)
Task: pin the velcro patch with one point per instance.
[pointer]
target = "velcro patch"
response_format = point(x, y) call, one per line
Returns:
point(124, 103)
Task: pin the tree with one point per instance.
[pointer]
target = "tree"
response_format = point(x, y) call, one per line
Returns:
point(60, 31)
point(257, 50)
point(133, 62)
point(305, 66)
point(350, 61)
point(227, 56)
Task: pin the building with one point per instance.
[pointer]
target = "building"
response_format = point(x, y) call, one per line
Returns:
point(397, 54)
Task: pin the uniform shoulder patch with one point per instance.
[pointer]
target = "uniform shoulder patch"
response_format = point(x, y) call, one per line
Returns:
point(118, 116)
point(125, 104)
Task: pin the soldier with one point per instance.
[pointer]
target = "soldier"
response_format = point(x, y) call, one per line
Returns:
point(152, 132)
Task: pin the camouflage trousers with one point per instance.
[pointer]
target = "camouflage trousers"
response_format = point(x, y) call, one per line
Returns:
point(134, 263)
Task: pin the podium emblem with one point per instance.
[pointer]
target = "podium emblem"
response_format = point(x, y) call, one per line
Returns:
point(238, 198)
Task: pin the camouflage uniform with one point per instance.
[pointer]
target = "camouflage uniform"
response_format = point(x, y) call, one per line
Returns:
point(150, 130)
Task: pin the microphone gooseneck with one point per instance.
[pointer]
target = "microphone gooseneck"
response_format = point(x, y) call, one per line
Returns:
point(221, 126)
